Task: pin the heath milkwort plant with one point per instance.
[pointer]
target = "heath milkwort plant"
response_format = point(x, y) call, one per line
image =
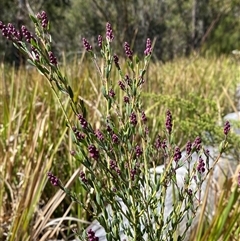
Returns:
point(129, 200)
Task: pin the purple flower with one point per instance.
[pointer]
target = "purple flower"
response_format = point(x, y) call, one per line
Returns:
point(133, 172)
point(126, 99)
point(148, 49)
point(15, 34)
point(197, 144)
point(82, 121)
point(169, 122)
point(113, 166)
point(86, 45)
point(158, 143)
point(115, 138)
point(188, 148)
point(111, 93)
point(109, 32)
point(164, 144)
point(143, 117)
point(54, 180)
point(91, 236)
point(177, 154)
point(52, 58)
point(226, 128)
point(133, 119)
point(83, 177)
point(121, 85)
point(109, 129)
point(99, 135)
point(93, 152)
point(100, 39)
point(201, 165)
point(128, 51)
point(44, 19)
point(139, 151)
point(10, 32)
point(116, 61)
point(189, 191)
point(35, 53)
point(4, 30)
point(28, 36)
point(80, 136)
point(128, 80)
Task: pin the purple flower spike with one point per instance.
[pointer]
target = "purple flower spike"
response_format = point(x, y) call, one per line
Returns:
point(26, 34)
point(91, 235)
point(109, 129)
point(83, 177)
point(177, 154)
point(226, 128)
point(44, 19)
point(116, 61)
point(133, 172)
point(111, 93)
point(80, 136)
point(35, 53)
point(128, 80)
point(109, 32)
point(93, 152)
point(115, 138)
point(99, 135)
point(188, 148)
point(139, 151)
point(189, 192)
point(133, 119)
point(10, 32)
point(201, 165)
point(164, 144)
point(52, 58)
point(197, 143)
point(54, 180)
point(86, 45)
point(128, 51)
point(158, 142)
point(148, 49)
point(82, 121)
point(100, 39)
point(126, 99)
point(113, 166)
point(169, 122)
point(121, 85)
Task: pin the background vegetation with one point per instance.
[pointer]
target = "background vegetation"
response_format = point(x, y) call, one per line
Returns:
point(179, 26)
point(193, 73)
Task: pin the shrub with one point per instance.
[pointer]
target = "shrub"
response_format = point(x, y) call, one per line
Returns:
point(142, 204)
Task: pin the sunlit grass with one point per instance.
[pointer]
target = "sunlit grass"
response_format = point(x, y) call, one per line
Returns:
point(34, 136)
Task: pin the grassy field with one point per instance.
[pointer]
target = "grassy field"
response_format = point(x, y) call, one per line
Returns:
point(34, 137)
